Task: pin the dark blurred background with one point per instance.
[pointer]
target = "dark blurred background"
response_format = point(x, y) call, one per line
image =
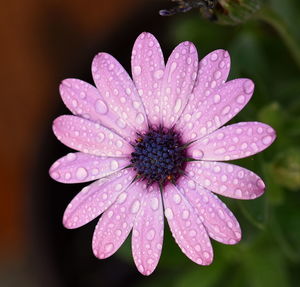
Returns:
point(43, 42)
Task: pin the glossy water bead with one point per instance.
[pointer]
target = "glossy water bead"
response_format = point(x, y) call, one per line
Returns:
point(156, 145)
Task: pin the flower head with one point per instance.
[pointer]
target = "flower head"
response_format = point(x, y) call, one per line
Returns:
point(155, 145)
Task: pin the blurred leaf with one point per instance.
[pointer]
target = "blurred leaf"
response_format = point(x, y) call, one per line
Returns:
point(204, 276)
point(286, 168)
point(265, 267)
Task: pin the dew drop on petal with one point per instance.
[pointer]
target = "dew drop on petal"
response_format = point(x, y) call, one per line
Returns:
point(140, 118)
point(137, 70)
point(169, 213)
point(267, 140)
point(158, 74)
point(114, 165)
point(150, 234)
point(101, 107)
point(81, 173)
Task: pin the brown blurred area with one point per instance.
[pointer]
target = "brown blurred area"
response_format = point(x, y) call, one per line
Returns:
point(37, 39)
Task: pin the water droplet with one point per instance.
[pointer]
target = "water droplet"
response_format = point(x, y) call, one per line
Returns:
point(169, 213)
point(109, 247)
point(177, 106)
point(217, 75)
point(217, 98)
point(197, 154)
point(191, 184)
point(267, 140)
point(140, 118)
point(185, 214)
point(118, 187)
point(177, 198)
point(240, 99)
point(192, 233)
point(150, 234)
point(121, 123)
point(135, 206)
point(158, 74)
point(71, 156)
point(81, 173)
point(260, 184)
point(248, 87)
point(114, 165)
point(137, 70)
point(154, 203)
point(214, 56)
point(74, 103)
point(101, 107)
point(206, 255)
point(226, 110)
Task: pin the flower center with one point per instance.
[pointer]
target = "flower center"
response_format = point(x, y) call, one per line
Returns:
point(159, 156)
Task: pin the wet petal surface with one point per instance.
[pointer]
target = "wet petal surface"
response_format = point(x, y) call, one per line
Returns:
point(226, 179)
point(86, 101)
point(233, 142)
point(119, 92)
point(117, 221)
point(218, 220)
point(147, 65)
point(92, 200)
point(148, 230)
point(212, 110)
point(89, 137)
point(178, 81)
point(81, 167)
point(186, 226)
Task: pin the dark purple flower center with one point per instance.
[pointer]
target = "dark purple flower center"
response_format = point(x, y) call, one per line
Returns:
point(159, 156)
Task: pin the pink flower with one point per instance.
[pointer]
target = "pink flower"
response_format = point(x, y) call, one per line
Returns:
point(155, 146)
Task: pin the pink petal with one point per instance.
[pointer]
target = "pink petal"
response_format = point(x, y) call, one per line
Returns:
point(217, 218)
point(147, 64)
point(96, 198)
point(117, 221)
point(89, 137)
point(81, 167)
point(187, 227)
point(86, 101)
point(212, 110)
point(234, 141)
point(119, 92)
point(178, 81)
point(148, 230)
point(213, 72)
point(226, 179)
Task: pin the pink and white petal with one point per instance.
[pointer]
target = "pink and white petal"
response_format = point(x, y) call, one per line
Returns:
point(213, 72)
point(94, 199)
point(226, 179)
point(82, 167)
point(89, 137)
point(216, 109)
point(86, 101)
point(147, 65)
point(148, 231)
point(218, 220)
point(186, 226)
point(233, 142)
point(119, 92)
point(178, 81)
point(117, 221)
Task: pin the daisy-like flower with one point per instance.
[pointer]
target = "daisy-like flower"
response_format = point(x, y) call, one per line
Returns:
point(155, 146)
